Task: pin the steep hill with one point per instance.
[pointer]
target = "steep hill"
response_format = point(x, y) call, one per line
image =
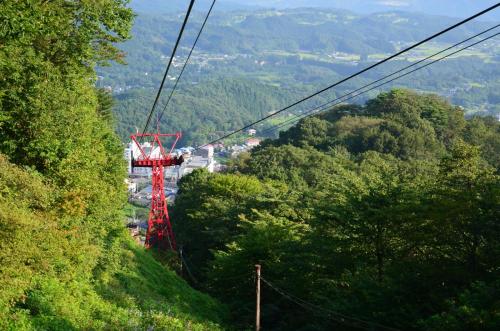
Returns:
point(57, 277)
point(66, 260)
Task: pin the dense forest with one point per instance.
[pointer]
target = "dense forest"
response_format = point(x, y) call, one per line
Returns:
point(204, 111)
point(362, 217)
point(66, 260)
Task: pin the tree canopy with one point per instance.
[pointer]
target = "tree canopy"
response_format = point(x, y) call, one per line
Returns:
point(385, 214)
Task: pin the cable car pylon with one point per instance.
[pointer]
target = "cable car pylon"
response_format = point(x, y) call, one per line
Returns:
point(159, 234)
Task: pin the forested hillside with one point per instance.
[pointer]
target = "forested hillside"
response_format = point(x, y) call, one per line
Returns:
point(205, 110)
point(374, 216)
point(291, 51)
point(66, 260)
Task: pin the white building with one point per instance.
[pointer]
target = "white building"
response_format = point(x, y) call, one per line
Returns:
point(127, 155)
point(132, 151)
point(197, 162)
point(131, 186)
point(202, 158)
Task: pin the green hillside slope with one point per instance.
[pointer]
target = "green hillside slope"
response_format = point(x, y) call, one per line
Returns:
point(66, 260)
point(203, 110)
point(55, 276)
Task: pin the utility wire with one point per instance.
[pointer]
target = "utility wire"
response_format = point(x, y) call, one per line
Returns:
point(188, 270)
point(179, 37)
point(187, 60)
point(341, 99)
point(336, 316)
point(356, 74)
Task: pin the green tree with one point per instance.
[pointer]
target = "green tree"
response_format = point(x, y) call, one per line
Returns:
point(210, 208)
point(484, 133)
point(277, 244)
point(467, 205)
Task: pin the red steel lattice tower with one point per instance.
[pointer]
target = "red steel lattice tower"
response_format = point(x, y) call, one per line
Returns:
point(160, 233)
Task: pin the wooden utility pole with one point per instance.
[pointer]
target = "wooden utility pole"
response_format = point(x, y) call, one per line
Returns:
point(257, 292)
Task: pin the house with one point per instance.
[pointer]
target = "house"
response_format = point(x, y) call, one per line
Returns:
point(253, 142)
point(197, 162)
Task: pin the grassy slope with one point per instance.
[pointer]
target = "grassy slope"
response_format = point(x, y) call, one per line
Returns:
point(56, 275)
point(157, 295)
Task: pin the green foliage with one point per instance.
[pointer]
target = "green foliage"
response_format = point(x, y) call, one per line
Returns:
point(484, 132)
point(475, 309)
point(56, 276)
point(66, 261)
point(275, 243)
point(468, 190)
point(68, 34)
point(105, 105)
point(293, 165)
point(211, 208)
point(411, 109)
point(401, 123)
point(382, 213)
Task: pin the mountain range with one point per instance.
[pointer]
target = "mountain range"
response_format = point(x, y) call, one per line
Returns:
point(455, 8)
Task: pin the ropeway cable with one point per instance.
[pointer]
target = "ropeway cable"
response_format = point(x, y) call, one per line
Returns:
point(356, 74)
point(187, 60)
point(350, 95)
point(179, 37)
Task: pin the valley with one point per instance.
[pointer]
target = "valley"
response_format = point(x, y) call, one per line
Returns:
point(294, 49)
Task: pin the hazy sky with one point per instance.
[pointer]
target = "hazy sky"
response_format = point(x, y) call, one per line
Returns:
point(440, 7)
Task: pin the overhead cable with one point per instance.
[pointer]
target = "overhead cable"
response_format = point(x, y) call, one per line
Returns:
point(179, 37)
point(351, 94)
point(187, 60)
point(336, 316)
point(356, 74)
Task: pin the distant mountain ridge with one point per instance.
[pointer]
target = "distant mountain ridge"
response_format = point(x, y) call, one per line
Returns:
point(455, 8)
point(293, 30)
point(452, 8)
